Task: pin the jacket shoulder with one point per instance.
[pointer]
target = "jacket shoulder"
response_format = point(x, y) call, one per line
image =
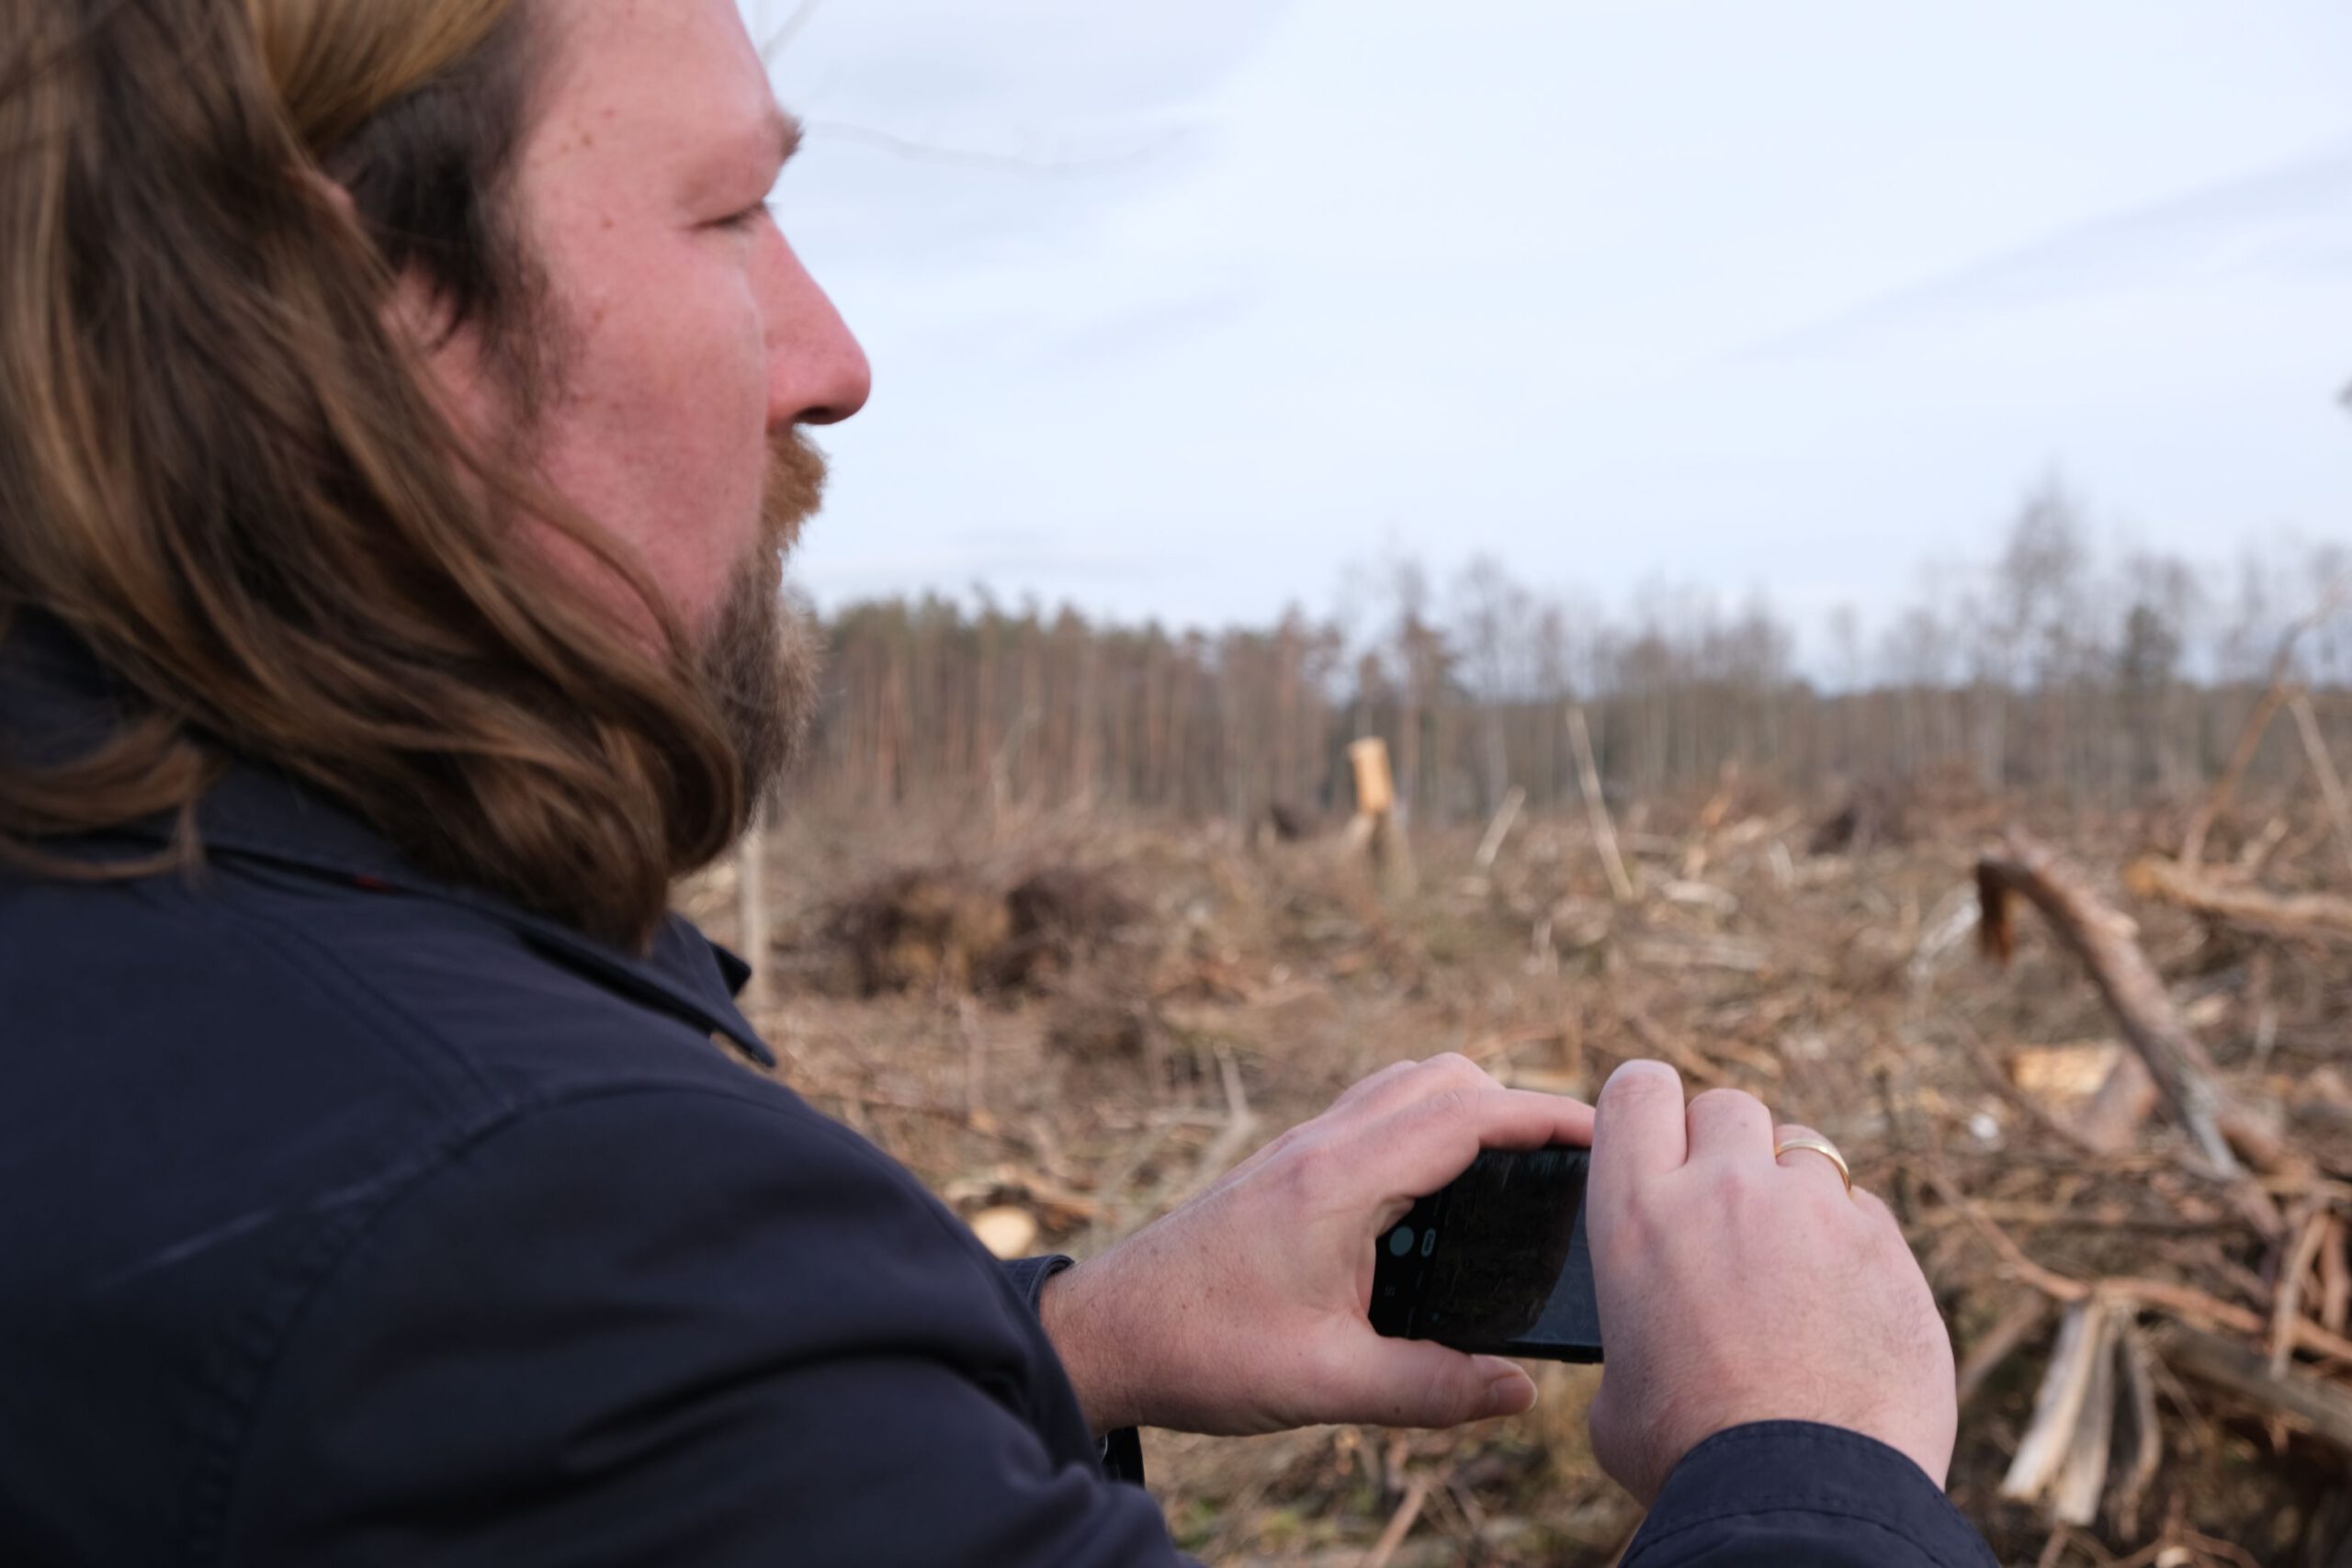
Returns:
point(210, 1084)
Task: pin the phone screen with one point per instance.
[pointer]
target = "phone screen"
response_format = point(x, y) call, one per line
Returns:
point(1497, 1261)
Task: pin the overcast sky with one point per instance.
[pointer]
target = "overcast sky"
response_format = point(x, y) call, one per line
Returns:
point(1175, 309)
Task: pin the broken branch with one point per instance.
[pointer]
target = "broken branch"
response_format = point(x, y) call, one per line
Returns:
point(2106, 943)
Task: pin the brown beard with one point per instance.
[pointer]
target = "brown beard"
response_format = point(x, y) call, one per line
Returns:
point(761, 663)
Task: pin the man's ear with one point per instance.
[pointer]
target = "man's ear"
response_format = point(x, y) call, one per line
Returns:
point(411, 312)
point(416, 315)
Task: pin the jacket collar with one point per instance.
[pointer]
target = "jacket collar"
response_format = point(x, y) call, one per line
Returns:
point(57, 700)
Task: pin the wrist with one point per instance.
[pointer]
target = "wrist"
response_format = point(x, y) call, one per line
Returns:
point(1084, 1336)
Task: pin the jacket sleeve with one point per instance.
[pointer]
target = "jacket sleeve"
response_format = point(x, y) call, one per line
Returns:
point(673, 1327)
point(1122, 1452)
point(1784, 1492)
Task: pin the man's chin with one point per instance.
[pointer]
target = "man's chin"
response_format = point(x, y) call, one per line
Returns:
point(760, 670)
point(761, 665)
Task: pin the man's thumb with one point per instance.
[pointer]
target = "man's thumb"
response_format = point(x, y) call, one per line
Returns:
point(1411, 1382)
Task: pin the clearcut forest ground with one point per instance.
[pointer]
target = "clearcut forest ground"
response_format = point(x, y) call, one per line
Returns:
point(1081, 1020)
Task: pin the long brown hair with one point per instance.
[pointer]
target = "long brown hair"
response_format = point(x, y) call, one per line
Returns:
point(219, 467)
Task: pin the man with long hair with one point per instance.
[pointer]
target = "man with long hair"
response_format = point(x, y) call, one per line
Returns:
point(401, 423)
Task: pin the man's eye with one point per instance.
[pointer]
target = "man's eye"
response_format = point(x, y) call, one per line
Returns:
point(748, 217)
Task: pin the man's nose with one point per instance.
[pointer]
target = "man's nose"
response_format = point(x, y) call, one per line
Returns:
point(816, 372)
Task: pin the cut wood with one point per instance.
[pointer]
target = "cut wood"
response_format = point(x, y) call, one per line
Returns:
point(1006, 1232)
point(2305, 915)
point(1376, 785)
point(2084, 1336)
point(1954, 919)
point(1604, 827)
point(1500, 829)
point(2082, 1474)
point(1379, 826)
point(2063, 1077)
point(2323, 1409)
point(2121, 1104)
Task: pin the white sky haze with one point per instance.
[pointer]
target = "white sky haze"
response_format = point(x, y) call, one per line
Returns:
point(1176, 309)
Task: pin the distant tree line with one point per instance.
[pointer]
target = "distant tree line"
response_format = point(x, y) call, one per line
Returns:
point(2047, 669)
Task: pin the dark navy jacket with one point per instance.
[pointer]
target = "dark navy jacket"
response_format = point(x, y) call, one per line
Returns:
point(350, 1218)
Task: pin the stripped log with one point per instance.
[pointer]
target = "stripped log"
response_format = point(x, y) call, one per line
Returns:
point(2107, 944)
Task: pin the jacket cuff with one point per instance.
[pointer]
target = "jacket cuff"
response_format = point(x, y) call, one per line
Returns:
point(1028, 1276)
point(1122, 1452)
point(1801, 1470)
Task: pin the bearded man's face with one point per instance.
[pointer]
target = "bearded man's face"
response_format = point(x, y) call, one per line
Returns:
point(691, 346)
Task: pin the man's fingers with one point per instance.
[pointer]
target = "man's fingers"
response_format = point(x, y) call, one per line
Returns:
point(1808, 1164)
point(1426, 1144)
point(1371, 1097)
point(1401, 1084)
point(1413, 1382)
point(1638, 1129)
point(1364, 1090)
point(1726, 1125)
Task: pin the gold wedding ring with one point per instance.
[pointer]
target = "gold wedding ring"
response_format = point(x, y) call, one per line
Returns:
point(1819, 1147)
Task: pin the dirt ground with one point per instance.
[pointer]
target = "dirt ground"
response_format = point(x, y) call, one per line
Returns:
point(1082, 1021)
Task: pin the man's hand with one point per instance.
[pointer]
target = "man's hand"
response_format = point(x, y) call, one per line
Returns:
point(1245, 1310)
point(1734, 1289)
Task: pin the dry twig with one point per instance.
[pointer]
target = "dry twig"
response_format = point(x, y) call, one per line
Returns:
point(2309, 1227)
point(2277, 695)
point(1401, 1523)
point(2020, 1322)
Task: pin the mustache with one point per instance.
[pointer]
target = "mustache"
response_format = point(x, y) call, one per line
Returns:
point(794, 491)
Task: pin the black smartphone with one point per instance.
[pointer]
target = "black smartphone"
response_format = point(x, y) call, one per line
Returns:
point(1495, 1261)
